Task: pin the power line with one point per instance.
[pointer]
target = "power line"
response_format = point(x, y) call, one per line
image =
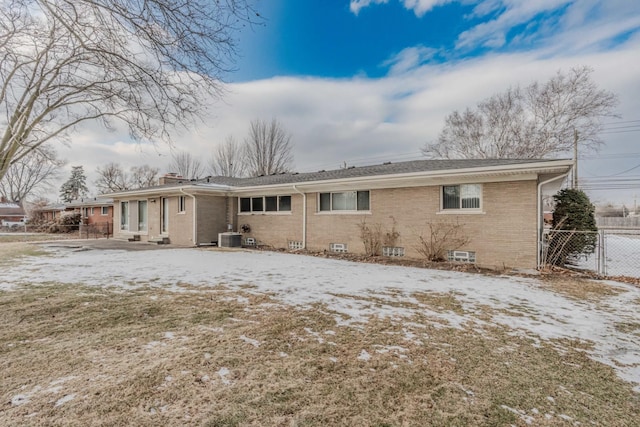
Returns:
point(609, 156)
point(619, 131)
point(620, 127)
point(621, 122)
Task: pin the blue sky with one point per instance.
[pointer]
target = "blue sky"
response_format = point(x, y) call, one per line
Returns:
point(325, 38)
point(367, 81)
point(341, 39)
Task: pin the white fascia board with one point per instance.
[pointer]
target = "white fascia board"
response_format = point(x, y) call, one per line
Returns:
point(519, 172)
point(172, 191)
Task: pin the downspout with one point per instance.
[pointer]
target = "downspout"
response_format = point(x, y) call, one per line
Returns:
point(195, 217)
point(304, 217)
point(540, 214)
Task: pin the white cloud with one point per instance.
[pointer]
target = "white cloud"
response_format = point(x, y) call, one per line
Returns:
point(493, 33)
point(566, 24)
point(420, 7)
point(356, 5)
point(409, 58)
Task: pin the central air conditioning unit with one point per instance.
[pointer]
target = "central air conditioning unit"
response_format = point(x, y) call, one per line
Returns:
point(230, 240)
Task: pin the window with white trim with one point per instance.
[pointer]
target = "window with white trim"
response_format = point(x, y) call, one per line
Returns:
point(124, 215)
point(182, 204)
point(463, 196)
point(343, 201)
point(142, 215)
point(104, 210)
point(262, 204)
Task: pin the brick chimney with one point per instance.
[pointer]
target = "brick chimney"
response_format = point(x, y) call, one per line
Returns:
point(170, 178)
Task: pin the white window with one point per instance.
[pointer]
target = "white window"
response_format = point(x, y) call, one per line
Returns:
point(344, 201)
point(104, 210)
point(91, 211)
point(464, 196)
point(124, 215)
point(263, 204)
point(164, 218)
point(142, 215)
point(182, 204)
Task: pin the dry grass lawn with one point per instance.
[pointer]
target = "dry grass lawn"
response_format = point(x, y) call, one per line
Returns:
point(36, 237)
point(10, 251)
point(72, 355)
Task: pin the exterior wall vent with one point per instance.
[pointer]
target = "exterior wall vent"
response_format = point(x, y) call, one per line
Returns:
point(393, 251)
point(461, 256)
point(295, 245)
point(338, 247)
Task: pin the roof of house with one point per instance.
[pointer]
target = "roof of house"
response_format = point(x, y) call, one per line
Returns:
point(11, 209)
point(51, 207)
point(380, 171)
point(94, 201)
point(364, 171)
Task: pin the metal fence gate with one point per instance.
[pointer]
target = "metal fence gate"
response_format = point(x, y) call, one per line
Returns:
point(608, 252)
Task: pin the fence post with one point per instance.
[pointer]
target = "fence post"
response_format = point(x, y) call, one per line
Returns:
point(602, 270)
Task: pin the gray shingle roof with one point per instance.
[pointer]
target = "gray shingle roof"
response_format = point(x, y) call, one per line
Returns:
point(351, 172)
point(374, 170)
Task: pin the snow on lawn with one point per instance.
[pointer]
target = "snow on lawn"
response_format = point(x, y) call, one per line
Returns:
point(347, 288)
point(623, 255)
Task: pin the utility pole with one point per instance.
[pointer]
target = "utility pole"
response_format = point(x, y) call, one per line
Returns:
point(575, 159)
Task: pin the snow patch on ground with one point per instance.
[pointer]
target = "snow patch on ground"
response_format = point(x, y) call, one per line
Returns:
point(64, 399)
point(364, 356)
point(251, 341)
point(223, 373)
point(357, 292)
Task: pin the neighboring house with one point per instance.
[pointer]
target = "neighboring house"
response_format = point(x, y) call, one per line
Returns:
point(94, 211)
point(11, 213)
point(498, 202)
point(50, 212)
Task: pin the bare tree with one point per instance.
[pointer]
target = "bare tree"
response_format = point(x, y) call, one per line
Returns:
point(186, 165)
point(112, 177)
point(268, 148)
point(143, 176)
point(538, 121)
point(227, 159)
point(153, 65)
point(32, 173)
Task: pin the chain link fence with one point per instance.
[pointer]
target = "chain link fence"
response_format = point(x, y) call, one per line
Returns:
point(605, 252)
point(82, 231)
point(96, 231)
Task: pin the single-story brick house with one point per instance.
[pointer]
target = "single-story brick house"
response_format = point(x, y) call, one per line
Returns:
point(11, 213)
point(50, 212)
point(95, 210)
point(497, 202)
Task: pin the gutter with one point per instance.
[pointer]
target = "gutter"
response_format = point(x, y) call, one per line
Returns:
point(195, 217)
point(304, 216)
point(540, 214)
